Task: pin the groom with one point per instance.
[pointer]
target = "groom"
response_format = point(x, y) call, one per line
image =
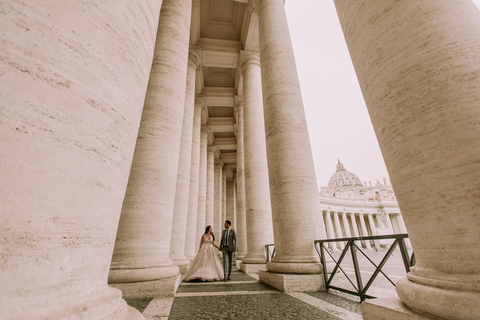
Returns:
point(228, 245)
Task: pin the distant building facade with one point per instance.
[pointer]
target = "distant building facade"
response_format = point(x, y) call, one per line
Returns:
point(351, 208)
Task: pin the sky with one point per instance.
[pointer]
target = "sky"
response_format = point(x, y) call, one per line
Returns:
point(337, 117)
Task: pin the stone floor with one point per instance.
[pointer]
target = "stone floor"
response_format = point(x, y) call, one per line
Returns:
point(245, 298)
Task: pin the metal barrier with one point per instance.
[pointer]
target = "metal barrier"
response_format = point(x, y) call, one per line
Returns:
point(361, 290)
point(270, 252)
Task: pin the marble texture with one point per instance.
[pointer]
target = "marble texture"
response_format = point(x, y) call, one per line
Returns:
point(296, 212)
point(202, 186)
point(143, 238)
point(218, 218)
point(69, 116)
point(210, 194)
point(418, 67)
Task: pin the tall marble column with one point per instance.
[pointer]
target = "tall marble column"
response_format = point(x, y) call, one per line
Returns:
point(180, 214)
point(224, 196)
point(257, 190)
point(338, 230)
point(346, 225)
point(141, 266)
point(69, 120)
point(218, 219)
point(190, 236)
point(374, 230)
point(423, 99)
point(355, 229)
point(241, 213)
point(364, 230)
point(210, 194)
point(202, 186)
point(293, 187)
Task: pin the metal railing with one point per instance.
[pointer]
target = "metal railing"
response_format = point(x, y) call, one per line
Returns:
point(270, 251)
point(360, 289)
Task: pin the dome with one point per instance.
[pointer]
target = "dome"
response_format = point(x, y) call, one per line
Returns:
point(344, 178)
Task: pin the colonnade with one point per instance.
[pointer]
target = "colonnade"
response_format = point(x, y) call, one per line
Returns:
point(97, 156)
point(354, 224)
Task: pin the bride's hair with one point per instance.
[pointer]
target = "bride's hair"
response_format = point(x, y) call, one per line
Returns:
point(206, 231)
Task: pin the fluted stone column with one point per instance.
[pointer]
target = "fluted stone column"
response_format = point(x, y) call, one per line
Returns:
point(224, 196)
point(180, 214)
point(141, 266)
point(338, 230)
point(202, 186)
point(230, 201)
point(69, 120)
point(293, 187)
point(218, 219)
point(364, 230)
point(330, 231)
point(210, 195)
point(257, 190)
point(190, 236)
point(422, 95)
point(241, 214)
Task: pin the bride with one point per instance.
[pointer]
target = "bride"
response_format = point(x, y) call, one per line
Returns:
point(205, 266)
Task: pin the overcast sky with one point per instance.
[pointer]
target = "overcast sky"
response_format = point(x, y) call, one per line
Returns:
point(338, 121)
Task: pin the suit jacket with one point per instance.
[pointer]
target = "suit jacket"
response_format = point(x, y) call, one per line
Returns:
point(231, 241)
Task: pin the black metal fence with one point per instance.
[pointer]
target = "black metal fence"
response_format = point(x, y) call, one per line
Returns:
point(360, 289)
point(270, 251)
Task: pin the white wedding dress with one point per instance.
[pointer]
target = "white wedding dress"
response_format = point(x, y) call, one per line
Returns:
point(206, 266)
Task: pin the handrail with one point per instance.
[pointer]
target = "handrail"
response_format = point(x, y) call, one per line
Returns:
point(269, 253)
point(361, 290)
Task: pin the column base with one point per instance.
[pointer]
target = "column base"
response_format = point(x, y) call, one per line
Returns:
point(252, 268)
point(182, 264)
point(390, 308)
point(293, 282)
point(146, 289)
point(133, 314)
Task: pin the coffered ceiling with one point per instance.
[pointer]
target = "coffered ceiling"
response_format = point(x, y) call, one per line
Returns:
point(221, 29)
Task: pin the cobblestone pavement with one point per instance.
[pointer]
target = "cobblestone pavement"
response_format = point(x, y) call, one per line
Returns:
point(245, 298)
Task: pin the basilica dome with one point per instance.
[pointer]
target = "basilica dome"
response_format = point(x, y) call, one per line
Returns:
point(343, 178)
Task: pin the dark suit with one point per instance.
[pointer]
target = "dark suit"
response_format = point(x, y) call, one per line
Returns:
point(227, 250)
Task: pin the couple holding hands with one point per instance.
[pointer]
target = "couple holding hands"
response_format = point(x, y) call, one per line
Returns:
point(206, 266)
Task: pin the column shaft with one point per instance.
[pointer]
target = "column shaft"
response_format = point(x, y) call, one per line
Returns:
point(422, 95)
point(69, 120)
point(364, 230)
point(338, 230)
point(257, 190)
point(210, 194)
point(293, 188)
point(180, 214)
point(241, 213)
point(190, 236)
point(218, 219)
point(230, 214)
point(141, 255)
point(330, 230)
point(355, 229)
point(202, 187)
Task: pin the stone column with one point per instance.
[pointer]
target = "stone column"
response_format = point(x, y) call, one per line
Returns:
point(190, 236)
point(418, 65)
point(401, 223)
point(346, 225)
point(210, 195)
point(141, 266)
point(224, 197)
point(364, 230)
point(355, 229)
point(202, 186)
point(218, 219)
point(69, 120)
point(330, 232)
point(257, 190)
point(180, 214)
point(230, 201)
point(293, 187)
point(241, 214)
point(373, 228)
point(389, 222)
point(338, 230)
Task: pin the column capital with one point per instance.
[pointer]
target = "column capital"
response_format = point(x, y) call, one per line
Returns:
point(253, 5)
point(219, 162)
point(199, 101)
point(194, 56)
point(211, 148)
point(205, 129)
point(247, 57)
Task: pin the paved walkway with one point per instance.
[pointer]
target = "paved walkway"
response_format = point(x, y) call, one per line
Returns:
point(242, 298)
